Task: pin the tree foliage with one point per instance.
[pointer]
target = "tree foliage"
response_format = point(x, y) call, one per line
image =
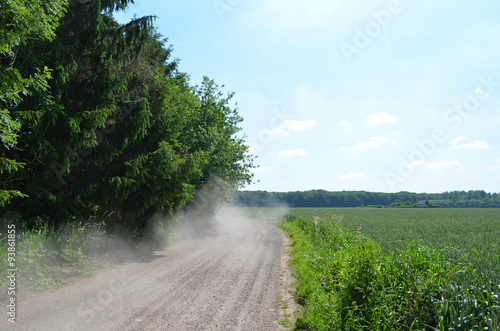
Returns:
point(120, 133)
point(22, 24)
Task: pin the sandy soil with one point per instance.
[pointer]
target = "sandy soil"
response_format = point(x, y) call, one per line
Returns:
point(231, 280)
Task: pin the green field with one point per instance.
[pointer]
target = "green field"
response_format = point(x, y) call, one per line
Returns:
point(471, 233)
point(395, 269)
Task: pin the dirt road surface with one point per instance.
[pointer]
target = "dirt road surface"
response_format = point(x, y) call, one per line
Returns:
point(227, 281)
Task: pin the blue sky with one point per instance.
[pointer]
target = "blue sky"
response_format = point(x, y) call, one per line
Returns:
point(351, 95)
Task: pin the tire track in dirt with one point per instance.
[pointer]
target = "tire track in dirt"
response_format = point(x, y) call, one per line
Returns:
point(186, 279)
point(242, 301)
point(227, 281)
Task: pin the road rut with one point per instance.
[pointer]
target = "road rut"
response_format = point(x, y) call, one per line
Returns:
point(226, 281)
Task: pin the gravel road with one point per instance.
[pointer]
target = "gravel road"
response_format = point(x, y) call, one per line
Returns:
point(227, 281)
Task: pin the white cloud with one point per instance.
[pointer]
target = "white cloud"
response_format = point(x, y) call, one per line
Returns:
point(458, 140)
point(295, 125)
point(442, 165)
point(373, 142)
point(474, 145)
point(280, 133)
point(284, 129)
point(352, 176)
point(288, 154)
point(380, 118)
point(466, 143)
point(345, 124)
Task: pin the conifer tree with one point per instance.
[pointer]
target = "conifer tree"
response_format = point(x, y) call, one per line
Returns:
point(121, 134)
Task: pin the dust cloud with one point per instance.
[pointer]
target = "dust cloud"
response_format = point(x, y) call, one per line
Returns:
point(212, 210)
point(196, 222)
point(223, 252)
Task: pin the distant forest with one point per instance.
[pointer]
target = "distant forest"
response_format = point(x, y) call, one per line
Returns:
point(322, 198)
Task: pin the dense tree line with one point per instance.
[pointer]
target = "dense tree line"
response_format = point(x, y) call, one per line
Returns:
point(322, 198)
point(96, 120)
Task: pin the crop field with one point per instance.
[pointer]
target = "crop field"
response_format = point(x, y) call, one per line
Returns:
point(473, 234)
point(396, 269)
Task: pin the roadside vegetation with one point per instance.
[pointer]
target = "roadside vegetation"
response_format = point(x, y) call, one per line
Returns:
point(393, 269)
point(46, 257)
